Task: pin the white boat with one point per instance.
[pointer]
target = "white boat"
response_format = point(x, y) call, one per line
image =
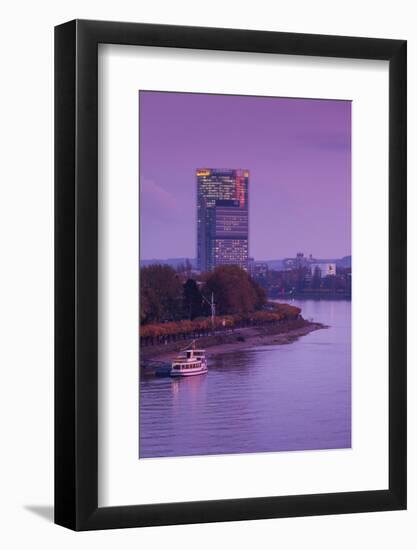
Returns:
point(190, 363)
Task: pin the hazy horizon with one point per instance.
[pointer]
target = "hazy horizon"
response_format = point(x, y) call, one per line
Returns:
point(298, 153)
point(256, 259)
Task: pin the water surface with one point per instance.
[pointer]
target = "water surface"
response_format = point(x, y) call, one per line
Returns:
point(270, 398)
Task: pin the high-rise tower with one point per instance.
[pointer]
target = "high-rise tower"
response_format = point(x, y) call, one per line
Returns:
point(222, 218)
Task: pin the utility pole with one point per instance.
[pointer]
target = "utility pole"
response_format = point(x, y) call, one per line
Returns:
point(212, 309)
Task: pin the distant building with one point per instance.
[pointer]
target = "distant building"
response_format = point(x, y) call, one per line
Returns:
point(222, 218)
point(324, 269)
point(298, 262)
point(258, 270)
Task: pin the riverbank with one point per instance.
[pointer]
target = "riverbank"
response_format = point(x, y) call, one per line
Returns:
point(310, 295)
point(242, 338)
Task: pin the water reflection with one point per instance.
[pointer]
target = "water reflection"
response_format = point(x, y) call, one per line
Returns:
point(270, 398)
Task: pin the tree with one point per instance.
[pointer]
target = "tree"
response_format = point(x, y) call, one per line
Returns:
point(316, 280)
point(260, 293)
point(150, 305)
point(301, 273)
point(160, 294)
point(234, 291)
point(185, 268)
point(192, 300)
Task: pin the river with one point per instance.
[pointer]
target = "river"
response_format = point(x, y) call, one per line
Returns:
point(264, 399)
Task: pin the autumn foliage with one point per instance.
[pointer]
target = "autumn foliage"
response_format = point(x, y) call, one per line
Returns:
point(171, 309)
point(203, 326)
point(234, 290)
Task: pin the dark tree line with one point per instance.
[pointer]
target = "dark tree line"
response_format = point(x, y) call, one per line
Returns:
point(160, 294)
point(302, 279)
point(165, 297)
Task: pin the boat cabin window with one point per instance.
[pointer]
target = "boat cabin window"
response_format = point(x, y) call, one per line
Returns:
point(180, 366)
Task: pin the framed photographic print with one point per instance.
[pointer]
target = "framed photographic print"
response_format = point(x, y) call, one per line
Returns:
point(230, 275)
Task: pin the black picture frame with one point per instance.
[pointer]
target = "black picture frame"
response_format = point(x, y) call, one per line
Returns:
point(76, 272)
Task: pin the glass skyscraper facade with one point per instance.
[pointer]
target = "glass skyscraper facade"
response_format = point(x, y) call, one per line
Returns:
point(222, 218)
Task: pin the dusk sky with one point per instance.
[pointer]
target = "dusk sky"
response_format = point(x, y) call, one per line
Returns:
point(298, 153)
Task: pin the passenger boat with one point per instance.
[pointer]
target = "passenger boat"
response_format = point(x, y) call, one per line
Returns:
point(190, 363)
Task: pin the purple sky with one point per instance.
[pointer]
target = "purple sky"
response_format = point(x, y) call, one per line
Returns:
point(298, 154)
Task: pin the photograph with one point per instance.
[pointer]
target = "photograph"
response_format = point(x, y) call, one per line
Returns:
point(191, 188)
point(245, 274)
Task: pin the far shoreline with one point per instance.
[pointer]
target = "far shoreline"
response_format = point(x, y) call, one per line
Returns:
point(238, 339)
